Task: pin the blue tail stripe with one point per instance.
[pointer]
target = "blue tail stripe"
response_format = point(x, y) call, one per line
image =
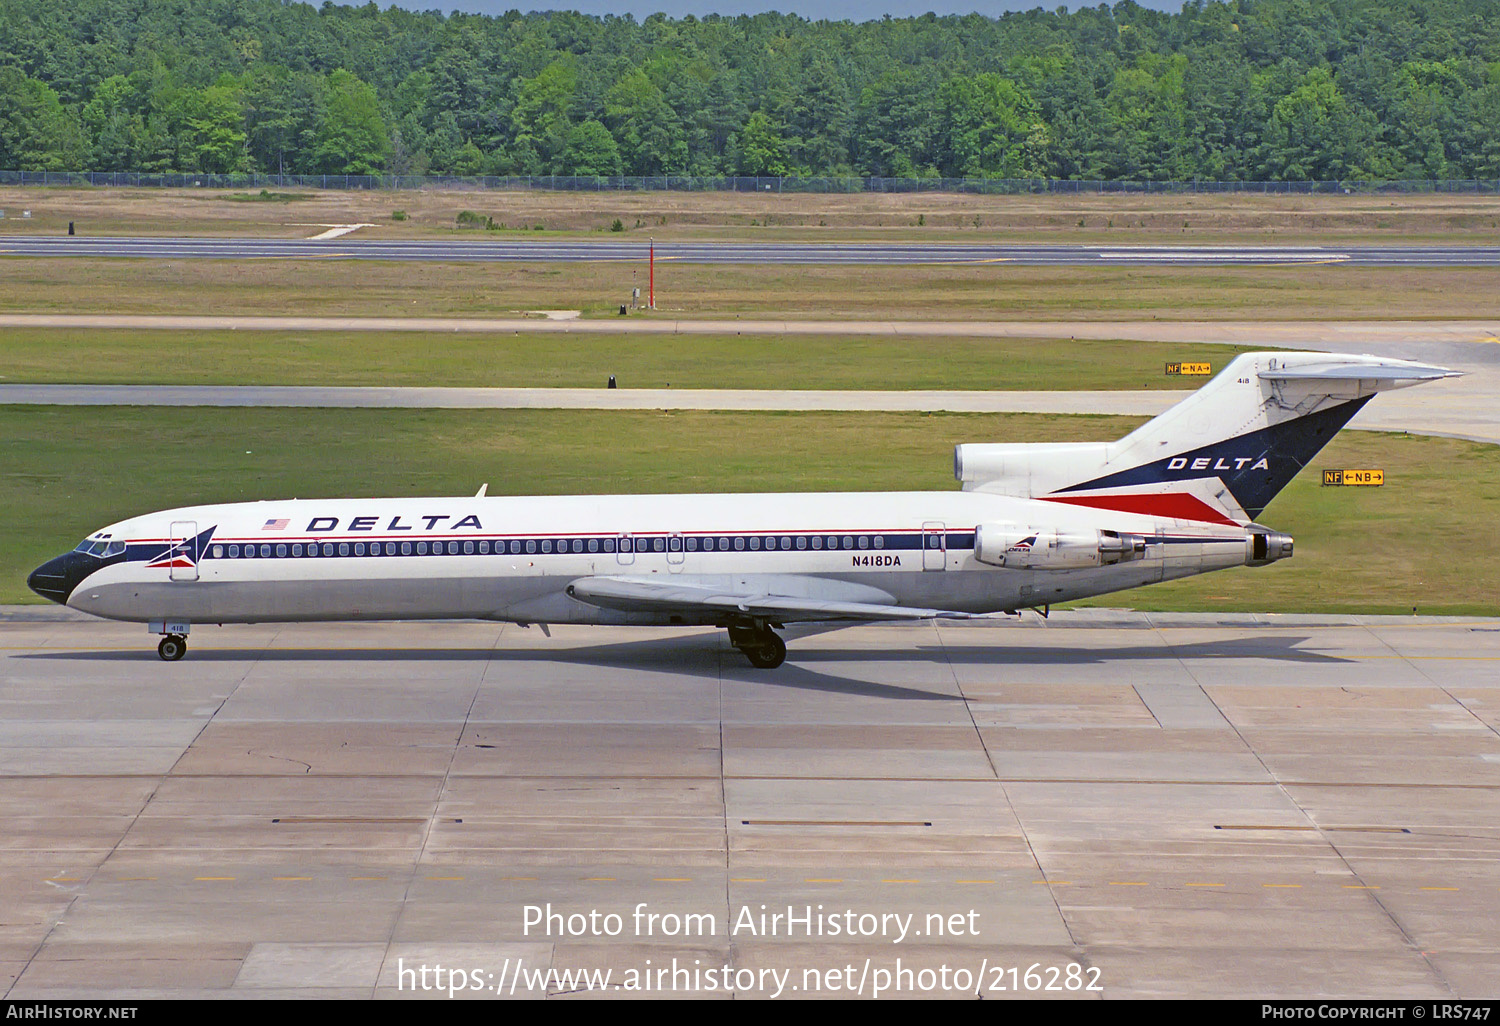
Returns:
point(1254, 467)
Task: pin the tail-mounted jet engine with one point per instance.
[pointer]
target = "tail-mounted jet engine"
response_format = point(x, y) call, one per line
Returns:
point(1049, 549)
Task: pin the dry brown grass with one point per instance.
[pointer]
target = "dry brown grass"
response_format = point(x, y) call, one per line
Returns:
point(755, 216)
point(949, 292)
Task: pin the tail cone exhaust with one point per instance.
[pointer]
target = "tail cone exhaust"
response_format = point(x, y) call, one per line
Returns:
point(1264, 547)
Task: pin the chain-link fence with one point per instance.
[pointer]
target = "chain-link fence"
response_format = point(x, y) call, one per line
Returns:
point(688, 183)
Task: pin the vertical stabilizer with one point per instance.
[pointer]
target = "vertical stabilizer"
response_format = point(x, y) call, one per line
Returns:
point(1222, 454)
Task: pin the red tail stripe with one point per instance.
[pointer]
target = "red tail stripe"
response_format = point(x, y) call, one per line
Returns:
point(1177, 505)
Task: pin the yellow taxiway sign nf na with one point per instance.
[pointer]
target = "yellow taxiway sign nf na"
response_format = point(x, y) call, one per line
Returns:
point(1354, 477)
point(1189, 368)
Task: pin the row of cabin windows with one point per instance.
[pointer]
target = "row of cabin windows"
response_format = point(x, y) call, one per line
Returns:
point(546, 546)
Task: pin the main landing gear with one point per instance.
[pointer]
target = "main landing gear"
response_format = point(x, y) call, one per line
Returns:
point(172, 648)
point(760, 644)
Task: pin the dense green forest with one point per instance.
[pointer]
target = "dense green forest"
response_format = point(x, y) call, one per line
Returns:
point(1249, 89)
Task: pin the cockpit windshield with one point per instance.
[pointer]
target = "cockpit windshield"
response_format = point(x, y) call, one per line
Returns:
point(101, 547)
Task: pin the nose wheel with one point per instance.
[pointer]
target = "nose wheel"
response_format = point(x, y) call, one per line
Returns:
point(761, 645)
point(172, 648)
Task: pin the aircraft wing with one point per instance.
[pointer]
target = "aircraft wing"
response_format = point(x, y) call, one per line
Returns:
point(635, 595)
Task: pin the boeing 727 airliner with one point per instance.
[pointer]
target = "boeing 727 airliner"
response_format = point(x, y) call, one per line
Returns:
point(1033, 525)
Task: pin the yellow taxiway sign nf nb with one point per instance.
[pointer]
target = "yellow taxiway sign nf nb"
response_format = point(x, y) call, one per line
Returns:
point(1354, 477)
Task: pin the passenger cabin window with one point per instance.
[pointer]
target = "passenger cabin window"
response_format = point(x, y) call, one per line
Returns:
point(218, 551)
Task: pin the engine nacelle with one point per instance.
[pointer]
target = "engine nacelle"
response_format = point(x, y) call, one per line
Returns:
point(1018, 548)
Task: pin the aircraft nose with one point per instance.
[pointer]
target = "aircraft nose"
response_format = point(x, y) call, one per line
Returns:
point(56, 578)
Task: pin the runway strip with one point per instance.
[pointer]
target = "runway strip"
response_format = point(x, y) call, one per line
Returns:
point(1448, 414)
point(472, 249)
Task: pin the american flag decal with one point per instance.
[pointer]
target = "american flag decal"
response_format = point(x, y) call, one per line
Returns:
point(275, 525)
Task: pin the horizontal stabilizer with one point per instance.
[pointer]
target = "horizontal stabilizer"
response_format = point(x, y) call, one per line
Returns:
point(1390, 370)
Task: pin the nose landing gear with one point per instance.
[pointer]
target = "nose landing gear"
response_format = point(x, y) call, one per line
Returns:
point(172, 648)
point(761, 645)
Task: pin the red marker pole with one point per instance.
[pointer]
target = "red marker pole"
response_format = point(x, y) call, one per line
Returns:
point(651, 293)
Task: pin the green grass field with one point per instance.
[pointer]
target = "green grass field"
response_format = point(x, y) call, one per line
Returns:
point(1429, 539)
point(586, 361)
point(961, 292)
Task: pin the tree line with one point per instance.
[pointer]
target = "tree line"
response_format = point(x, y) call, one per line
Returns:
point(1238, 90)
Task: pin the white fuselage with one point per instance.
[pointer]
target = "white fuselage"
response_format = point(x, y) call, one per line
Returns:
point(513, 558)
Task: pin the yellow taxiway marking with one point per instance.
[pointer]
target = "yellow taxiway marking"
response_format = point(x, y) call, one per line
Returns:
point(1281, 885)
point(513, 879)
point(822, 879)
point(1052, 883)
point(1207, 885)
point(1437, 888)
point(290, 879)
point(213, 879)
point(1128, 883)
point(1489, 338)
point(1361, 887)
point(598, 879)
point(447, 879)
point(975, 881)
point(132, 879)
point(672, 879)
point(64, 879)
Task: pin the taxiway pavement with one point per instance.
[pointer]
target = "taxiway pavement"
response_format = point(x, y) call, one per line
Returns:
point(1190, 805)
